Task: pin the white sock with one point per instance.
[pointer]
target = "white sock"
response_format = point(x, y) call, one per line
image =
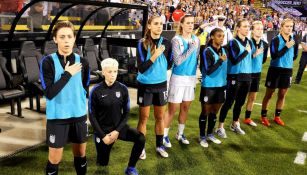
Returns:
point(166, 132)
point(180, 129)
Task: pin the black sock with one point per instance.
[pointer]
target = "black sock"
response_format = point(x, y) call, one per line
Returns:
point(202, 121)
point(159, 140)
point(248, 114)
point(211, 123)
point(263, 112)
point(80, 165)
point(277, 112)
point(52, 168)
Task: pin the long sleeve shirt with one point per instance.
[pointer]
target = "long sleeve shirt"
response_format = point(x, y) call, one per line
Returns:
point(109, 107)
point(145, 65)
point(211, 65)
point(51, 88)
point(275, 54)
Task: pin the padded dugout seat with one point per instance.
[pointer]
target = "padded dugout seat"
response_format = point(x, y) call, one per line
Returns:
point(29, 59)
point(91, 54)
point(7, 91)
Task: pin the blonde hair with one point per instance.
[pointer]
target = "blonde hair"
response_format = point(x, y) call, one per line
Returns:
point(109, 62)
point(286, 20)
point(182, 19)
point(238, 25)
point(254, 24)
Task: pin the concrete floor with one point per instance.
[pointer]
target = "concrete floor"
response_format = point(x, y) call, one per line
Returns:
point(21, 133)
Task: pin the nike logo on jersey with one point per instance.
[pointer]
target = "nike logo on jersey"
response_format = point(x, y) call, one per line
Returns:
point(104, 96)
point(52, 173)
point(84, 165)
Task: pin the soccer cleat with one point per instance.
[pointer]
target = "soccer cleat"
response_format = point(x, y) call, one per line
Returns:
point(182, 139)
point(265, 121)
point(161, 150)
point(279, 121)
point(249, 121)
point(131, 171)
point(203, 141)
point(213, 139)
point(237, 129)
point(221, 133)
point(143, 155)
point(166, 142)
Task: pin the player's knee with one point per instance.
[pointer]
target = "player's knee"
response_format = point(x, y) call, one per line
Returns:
point(140, 139)
point(55, 159)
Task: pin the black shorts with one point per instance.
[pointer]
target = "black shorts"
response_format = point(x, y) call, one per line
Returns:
point(276, 79)
point(58, 134)
point(255, 84)
point(212, 95)
point(147, 97)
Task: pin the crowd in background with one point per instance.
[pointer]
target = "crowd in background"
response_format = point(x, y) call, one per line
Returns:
point(204, 12)
point(170, 11)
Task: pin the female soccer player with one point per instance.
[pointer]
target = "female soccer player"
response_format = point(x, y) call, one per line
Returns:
point(183, 79)
point(239, 77)
point(283, 52)
point(154, 58)
point(65, 78)
point(109, 107)
point(260, 51)
point(213, 65)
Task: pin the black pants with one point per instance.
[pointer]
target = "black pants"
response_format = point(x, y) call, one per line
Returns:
point(126, 134)
point(300, 71)
point(236, 91)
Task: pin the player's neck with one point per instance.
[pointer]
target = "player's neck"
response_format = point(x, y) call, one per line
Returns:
point(186, 35)
point(153, 36)
point(109, 83)
point(241, 37)
point(257, 39)
point(216, 46)
point(285, 36)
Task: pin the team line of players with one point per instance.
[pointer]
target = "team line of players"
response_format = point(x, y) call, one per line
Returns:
point(230, 74)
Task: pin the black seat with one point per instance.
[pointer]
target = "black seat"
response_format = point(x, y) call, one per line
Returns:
point(91, 54)
point(49, 47)
point(103, 50)
point(7, 91)
point(29, 59)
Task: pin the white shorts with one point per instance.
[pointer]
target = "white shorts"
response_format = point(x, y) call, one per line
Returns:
point(178, 94)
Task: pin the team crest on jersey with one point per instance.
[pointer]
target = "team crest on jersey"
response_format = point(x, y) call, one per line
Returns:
point(269, 83)
point(97, 139)
point(140, 99)
point(233, 82)
point(117, 94)
point(206, 99)
point(52, 138)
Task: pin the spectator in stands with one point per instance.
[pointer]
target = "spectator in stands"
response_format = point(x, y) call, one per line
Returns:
point(220, 23)
point(177, 14)
point(65, 78)
point(36, 17)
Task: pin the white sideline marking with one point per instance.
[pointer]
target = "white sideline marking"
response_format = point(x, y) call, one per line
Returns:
point(300, 158)
point(304, 139)
point(302, 111)
point(259, 104)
